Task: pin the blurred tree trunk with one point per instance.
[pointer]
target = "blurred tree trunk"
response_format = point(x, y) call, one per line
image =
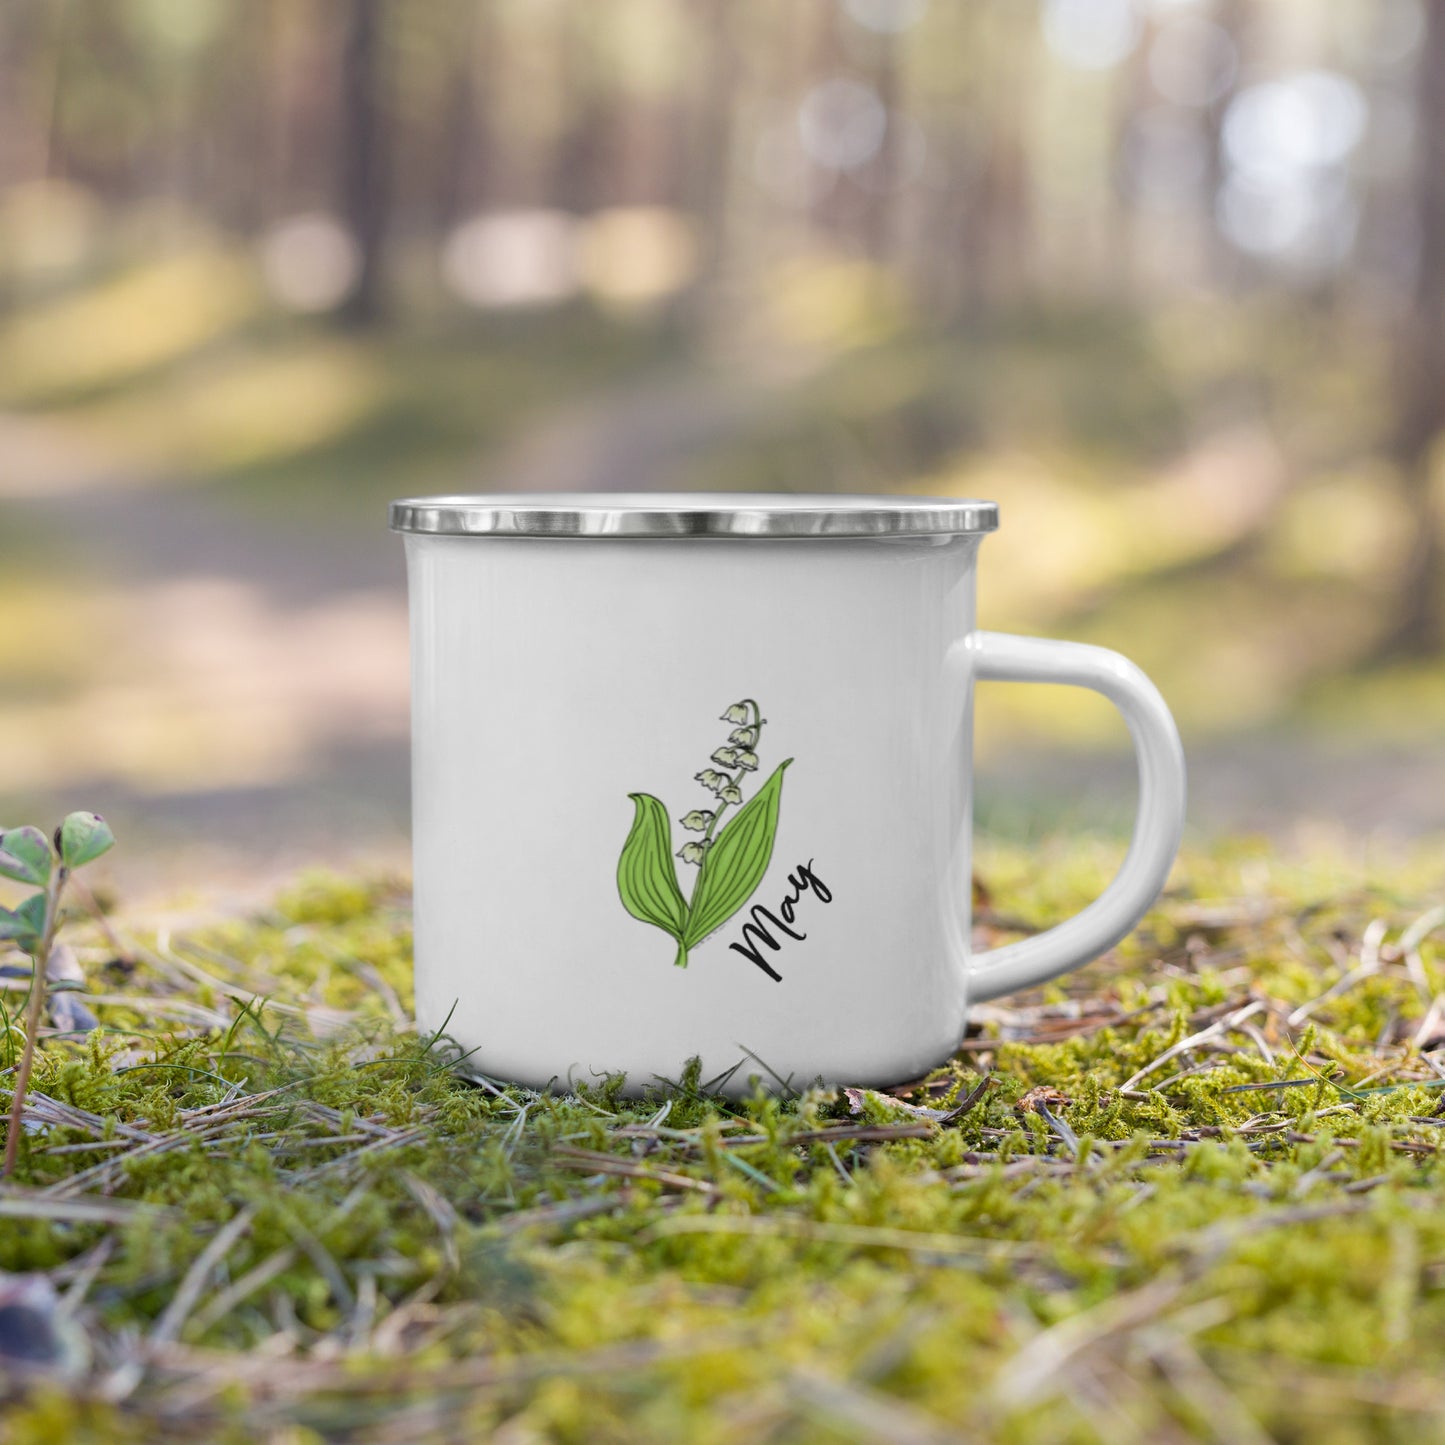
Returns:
point(880, 212)
point(1220, 259)
point(33, 46)
point(943, 263)
point(1130, 99)
point(365, 194)
point(580, 164)
point(705, 186)
point(239, 168)
point(1004, 207)
point(832, 210)
point(1420, 358)
point(712, 166)
point(302, 109)
point(468, 141)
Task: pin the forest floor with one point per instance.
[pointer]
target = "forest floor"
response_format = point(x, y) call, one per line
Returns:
point(1192, 1192)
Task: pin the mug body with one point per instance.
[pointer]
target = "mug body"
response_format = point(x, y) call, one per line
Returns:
point(695, 796)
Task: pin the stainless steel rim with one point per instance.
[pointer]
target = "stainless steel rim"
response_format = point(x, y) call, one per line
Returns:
point(699, 514)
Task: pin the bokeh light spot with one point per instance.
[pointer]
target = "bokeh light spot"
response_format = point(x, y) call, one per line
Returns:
point(310, 262)
point(637, 255)
point(841, 123)
point(1192, 61)
point(1313, 118)
point(513, 258)
point(886, 17)
point(1091, 34)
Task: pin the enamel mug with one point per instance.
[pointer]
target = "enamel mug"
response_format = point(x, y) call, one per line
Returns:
point(692, 778)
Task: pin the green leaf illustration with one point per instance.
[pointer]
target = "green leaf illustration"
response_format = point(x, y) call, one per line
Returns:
point(646, 875)
point(731, 860)
point(736, 862)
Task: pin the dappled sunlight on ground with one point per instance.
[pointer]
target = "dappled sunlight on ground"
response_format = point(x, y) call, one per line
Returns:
point(142, 319)
point(240, 409)
point(205, 685)
point(1068, 536)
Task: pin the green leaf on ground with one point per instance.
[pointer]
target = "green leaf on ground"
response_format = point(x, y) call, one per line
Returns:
point(82, 838)
point(25, 856)
point(24, 925)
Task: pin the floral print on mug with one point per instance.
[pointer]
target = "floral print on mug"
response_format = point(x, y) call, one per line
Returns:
point(731, 857)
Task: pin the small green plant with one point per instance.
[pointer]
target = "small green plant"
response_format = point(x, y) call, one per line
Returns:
point(27, 857)
point(731, 860)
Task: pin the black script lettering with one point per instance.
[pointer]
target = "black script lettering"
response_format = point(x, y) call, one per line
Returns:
point(750, 950)
point(756, 934)
point(809, 879)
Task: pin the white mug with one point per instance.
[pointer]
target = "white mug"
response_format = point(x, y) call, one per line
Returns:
point(692, 778)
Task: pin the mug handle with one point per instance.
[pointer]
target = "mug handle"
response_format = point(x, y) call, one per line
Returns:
point(1158, 825)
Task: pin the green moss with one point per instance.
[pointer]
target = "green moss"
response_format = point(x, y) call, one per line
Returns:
point(421, 1256)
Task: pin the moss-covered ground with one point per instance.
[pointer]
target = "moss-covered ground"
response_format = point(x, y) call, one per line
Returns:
point(1191, 1193)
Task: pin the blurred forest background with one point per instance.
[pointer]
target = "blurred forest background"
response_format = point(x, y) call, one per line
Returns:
point(1163, 277)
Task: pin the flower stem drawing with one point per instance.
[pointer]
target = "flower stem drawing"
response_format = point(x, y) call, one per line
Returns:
point(731, 857)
